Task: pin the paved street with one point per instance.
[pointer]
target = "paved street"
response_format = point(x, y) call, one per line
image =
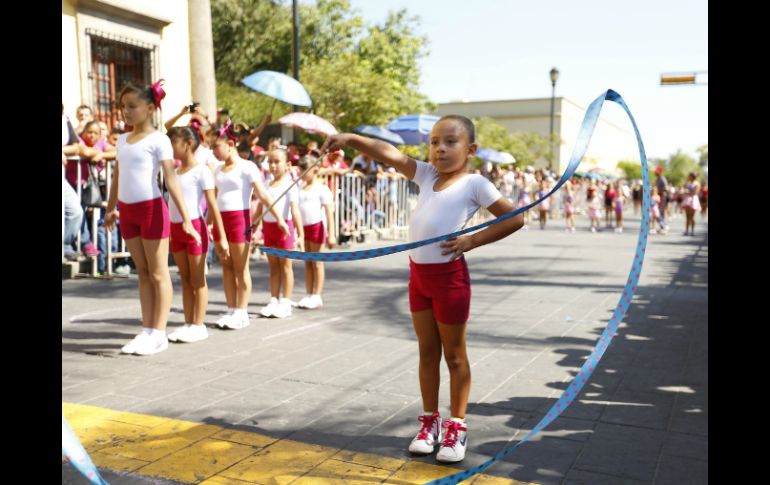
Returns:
point(342, 381)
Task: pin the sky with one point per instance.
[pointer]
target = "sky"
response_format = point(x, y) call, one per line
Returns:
point(504, 49)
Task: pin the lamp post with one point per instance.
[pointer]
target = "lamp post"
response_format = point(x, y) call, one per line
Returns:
point(554, 77)
point(295, 44)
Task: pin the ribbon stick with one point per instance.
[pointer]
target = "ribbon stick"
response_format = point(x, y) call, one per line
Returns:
point(77, 455)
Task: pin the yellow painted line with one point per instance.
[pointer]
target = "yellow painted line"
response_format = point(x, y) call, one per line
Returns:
point(198, 462)
point(336, 472)
point(280, 463)
point(211, 455)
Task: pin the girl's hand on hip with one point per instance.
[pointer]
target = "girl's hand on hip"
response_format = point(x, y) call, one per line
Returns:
point(456, 246)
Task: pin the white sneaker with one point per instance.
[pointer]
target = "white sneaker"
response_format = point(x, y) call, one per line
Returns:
point(593, 229)
point(123, 270)
point(224, 320)
point(193, 333)
point(269, 309)
point(151, 345)
point(283, 309)
point(131, 347)
point(454, 442)
point(314, 302)
point(303, 303)
point(177, 334)
point(428, 436)
point(238, 321)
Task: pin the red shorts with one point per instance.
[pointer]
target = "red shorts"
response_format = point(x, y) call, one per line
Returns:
point(443, 287)
point(148, 219)
point(274, 238)
point(236, 223)
point(180, 240)
point(315, 233)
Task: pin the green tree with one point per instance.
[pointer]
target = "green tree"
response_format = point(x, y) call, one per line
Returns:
point(355, 73)
point(679, 165)
point(248, 36)
point(631, 170)
point(703, 152)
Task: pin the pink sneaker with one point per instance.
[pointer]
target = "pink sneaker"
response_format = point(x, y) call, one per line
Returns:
point(90, 250)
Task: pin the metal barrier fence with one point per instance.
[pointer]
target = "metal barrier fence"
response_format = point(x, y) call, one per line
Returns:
point(91, 217)
point(366, 204)
point(363, 205)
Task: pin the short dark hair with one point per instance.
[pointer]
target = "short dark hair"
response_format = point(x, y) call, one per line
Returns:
point(186, 133)
point(306, 161)
point(88, 125)
point(467, 125)
point(82, 106)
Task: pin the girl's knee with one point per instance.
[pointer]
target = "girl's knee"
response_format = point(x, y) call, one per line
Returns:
point(197, 282)
point(158, 276)
point(186, 280)
point(430, 352)
point(143, 273)
point(243, 277)
point(430, 358)
point(456, 361)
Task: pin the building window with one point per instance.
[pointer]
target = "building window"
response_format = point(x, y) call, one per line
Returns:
point(116, 61)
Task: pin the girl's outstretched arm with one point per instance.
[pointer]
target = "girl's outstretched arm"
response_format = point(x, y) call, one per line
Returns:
point(378, 150)
point(170, 123)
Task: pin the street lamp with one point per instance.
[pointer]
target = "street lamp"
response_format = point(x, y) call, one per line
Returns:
point(554, 77)
point(679, 78)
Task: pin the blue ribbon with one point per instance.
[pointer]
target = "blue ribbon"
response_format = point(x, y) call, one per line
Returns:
point(584, 137)
point(586, 131)
point(77, 455)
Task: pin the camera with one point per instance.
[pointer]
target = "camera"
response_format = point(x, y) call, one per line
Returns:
point(193, 106)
